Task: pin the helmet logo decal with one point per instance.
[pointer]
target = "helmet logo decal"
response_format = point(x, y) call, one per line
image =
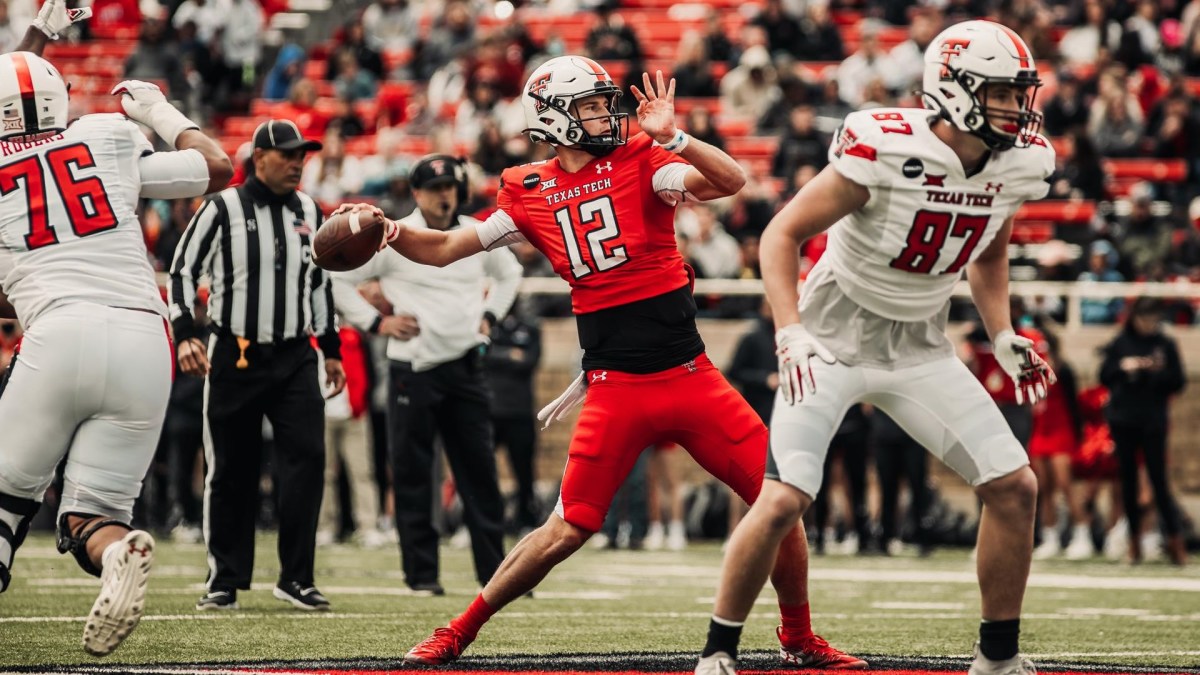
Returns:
point(952, 48)
point(535, 90)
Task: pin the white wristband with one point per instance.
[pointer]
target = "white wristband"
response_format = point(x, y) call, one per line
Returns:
point(677, 144)
point(168, 122)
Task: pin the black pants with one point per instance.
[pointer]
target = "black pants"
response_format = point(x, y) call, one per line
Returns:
point(852, 448)
point(1129, 438)
point(279, 382)
point(897, 452)
point(518, 435)
point(449, 400)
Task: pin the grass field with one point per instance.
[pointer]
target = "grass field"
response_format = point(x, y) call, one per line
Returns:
point(601, 602)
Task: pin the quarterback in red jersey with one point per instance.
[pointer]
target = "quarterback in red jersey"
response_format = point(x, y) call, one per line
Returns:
point(602, 211)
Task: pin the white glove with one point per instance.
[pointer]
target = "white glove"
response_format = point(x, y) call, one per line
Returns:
point(794, 346)
point(54, 17)
point(565, 403)
point(144, 102)
point(1030, 374)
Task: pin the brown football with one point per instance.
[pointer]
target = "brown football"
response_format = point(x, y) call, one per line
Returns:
point(347, 240)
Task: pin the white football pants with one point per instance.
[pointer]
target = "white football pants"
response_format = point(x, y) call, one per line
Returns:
point(92, 383)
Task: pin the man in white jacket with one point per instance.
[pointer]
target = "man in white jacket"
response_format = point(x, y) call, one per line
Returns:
point(438, 331)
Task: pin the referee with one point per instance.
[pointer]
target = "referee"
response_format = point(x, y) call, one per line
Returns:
point(437, 333)
point(266, 299)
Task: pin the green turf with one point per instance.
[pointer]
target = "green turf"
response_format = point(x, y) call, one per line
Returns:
point(635, 601)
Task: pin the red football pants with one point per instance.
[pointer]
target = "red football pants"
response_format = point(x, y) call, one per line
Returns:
point(691, 405)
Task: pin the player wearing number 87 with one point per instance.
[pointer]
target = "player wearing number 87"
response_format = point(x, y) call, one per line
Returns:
point(92, 379)
point(602, 211)
point(911, 198)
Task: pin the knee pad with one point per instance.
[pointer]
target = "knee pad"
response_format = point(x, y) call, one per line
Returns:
point(15, 515)
point(75, 542)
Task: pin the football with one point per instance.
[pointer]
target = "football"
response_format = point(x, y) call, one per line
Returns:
point(347, 240)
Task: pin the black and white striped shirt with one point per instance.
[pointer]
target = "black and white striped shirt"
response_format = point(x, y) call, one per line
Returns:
point(255, 248)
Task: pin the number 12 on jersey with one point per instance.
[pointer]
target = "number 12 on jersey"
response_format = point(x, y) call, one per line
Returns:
point(928, 235)
point(603, 257)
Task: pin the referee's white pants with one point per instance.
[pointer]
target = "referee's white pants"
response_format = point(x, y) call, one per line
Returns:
point(90, 383)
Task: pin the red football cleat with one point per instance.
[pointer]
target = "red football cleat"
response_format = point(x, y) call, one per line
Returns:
point(444, 646)
point(815, 652)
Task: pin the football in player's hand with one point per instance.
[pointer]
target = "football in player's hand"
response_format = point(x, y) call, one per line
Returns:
point(348, 240)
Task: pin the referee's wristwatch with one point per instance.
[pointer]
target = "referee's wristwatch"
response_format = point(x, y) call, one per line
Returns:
point(373, 329)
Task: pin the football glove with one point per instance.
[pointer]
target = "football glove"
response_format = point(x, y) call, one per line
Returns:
point(567, 401)
point(795, 346)
point(1030, 374)
point(54, 17)
point(144, 102)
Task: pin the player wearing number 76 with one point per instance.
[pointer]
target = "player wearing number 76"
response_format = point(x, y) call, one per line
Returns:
point(602, 211)
point(911, 198)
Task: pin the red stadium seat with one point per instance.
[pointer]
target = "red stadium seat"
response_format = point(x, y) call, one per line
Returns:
point(1058, 211)
point(1156, 170)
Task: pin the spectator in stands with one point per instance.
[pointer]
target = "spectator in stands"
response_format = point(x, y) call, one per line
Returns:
point(301, 109)
point(866, 64)
point(208, 16)
point(832, 105)
point(289, 67)
point(822, 40)
point(353, 82)
point(1081, 45)
point(493, 152)
point(483, 104)
point(754, 205)
point(156, 58)
point(390, 25)
point(241, 49)
point(906, 61)
point(1143, 25)
point(330, 176)
point(354, 42)
point(1190, 33)
point(345, 119)
point(896, 452)
point(749, 90)
point(848, 449)
point(800, 144)
point(1081, 172)
point(1102, 267)
point(10, 34)
point(1143, 370)
point(452, 35)
point(712, 250)
point(1173, 127)
point(1115, 120)
point(692, 71)
point(611, 38)
point(1144, 239)
point(114, 18)
point(755, 368)
point(783, 30)
point(699, 123)
point(716, 43)
point(794, 92)
point(1067, 108)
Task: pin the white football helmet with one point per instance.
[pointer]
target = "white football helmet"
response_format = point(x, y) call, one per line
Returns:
point(33, 95)
point(549, 98)
point(962, 61)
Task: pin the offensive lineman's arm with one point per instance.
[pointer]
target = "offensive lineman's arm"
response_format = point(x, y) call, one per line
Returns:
point(824, 201)
point(988, 277)
point(51, 19)
point(199, 166)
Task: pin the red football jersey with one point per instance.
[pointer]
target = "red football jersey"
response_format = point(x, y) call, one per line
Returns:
point(603, 227)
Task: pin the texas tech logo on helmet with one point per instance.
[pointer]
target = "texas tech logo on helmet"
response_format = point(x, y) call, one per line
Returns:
point(951, 49)
point(539, 85)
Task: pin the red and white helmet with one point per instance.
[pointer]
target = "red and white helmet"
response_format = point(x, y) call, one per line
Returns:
point(548, 100)
point(33, 95)
point(959, 65)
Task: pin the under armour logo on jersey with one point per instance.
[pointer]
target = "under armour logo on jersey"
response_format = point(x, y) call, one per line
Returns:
point(598, 376)
point(993, 186)
point(935, 181)
point(601, 168)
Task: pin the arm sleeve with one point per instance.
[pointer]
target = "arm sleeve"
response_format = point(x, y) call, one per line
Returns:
point(669, 184)
point(498, 231)
point(173, 175)
point(352, 305)
point(502, 267)
point(193, 258)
